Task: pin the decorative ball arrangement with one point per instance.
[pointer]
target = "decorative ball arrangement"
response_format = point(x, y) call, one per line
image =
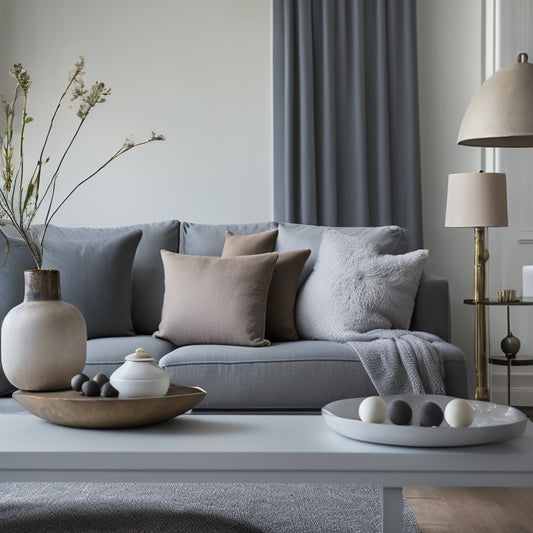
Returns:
point(373, 409)
point(399, 412)
point(430, 414)
point(98, 386)
point(457, 413)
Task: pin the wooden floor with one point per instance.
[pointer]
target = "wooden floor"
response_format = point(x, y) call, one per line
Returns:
point(472, 510)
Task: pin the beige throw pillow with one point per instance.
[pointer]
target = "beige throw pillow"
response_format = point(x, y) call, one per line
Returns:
point(213, 300)
point(257, 243)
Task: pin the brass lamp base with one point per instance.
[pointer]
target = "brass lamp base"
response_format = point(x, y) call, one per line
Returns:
point(481, 256)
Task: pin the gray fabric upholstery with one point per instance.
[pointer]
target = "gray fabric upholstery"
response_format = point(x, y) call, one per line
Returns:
point(208, 239)
point(107, 354)
point(389, 239)
point(95, 276)
point(301, 374)
point(432, 307)
point(12, 267)
point(147, 273)
point(298, 375)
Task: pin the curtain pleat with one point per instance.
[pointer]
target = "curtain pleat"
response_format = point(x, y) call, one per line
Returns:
point(346, 140)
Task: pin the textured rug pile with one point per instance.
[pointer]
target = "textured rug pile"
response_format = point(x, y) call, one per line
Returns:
point(193, 508)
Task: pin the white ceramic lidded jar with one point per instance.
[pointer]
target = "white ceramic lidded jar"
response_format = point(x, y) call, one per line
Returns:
point(140, 376)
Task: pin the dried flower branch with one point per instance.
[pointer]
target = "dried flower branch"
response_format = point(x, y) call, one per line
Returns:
point(21, 197)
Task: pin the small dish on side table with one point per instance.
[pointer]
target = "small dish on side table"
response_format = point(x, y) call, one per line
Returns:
point(70, 408)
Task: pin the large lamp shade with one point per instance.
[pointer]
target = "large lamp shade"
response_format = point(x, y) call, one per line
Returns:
point(476, 199)
point(501, 113)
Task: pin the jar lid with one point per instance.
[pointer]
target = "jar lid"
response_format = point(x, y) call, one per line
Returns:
point(139, 355)
point(140, 366)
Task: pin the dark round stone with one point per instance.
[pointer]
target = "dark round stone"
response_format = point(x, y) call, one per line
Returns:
point(90, 388)
point(399, 412)
point(430, 414)
point(101, 378)
point(108, 390)
point(77, 381)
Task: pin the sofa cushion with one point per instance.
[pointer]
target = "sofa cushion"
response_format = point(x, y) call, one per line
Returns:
point(256, 243)
point(208, 239)
point(354, 289)
point(286, 375)
point(106, 354)
point(215, 300)
point(147, 274)
point(389, 239)
point(95, 276)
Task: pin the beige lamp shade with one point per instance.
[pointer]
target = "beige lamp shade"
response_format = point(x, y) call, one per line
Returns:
point(501, 113)
point(476, 199)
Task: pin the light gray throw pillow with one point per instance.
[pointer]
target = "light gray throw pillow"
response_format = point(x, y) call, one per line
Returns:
point(354, 289)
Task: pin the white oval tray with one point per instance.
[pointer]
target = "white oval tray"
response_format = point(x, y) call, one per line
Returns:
point(492, 423)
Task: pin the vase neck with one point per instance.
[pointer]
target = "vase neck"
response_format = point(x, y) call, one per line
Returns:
point(40, 285)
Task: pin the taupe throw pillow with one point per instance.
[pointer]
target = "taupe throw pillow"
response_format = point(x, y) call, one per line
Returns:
point(214, 300)
point(280, 321)
point(258, 243)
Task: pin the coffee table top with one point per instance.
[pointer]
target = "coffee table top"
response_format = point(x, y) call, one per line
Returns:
point(247, 447)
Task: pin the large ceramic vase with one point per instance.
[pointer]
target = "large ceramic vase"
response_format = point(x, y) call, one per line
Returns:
point(44, 339)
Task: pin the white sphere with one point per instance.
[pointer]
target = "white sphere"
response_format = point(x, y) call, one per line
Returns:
point(373, 409)
point(458, 413)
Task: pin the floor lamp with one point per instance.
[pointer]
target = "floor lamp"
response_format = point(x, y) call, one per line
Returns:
point(478, 200)
point(499, 116)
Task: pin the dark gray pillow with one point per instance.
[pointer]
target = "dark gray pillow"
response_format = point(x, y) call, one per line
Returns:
point(147, 275)
point(95, 276)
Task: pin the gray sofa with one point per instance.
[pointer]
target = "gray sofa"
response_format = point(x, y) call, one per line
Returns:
point(303, 374)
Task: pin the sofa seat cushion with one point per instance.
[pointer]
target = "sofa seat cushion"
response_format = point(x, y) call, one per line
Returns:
point(286, 375)
point(107, 354)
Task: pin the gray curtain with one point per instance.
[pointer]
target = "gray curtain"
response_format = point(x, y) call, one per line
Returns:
point(346, 140)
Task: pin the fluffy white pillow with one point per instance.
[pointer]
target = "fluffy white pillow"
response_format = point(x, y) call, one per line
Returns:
point(354, 289)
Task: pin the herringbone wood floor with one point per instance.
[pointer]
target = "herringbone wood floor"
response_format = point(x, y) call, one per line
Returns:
point(472, 510)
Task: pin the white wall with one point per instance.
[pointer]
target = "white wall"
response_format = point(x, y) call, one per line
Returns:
point(511, 247)
point(450, 72)
point(198, 71)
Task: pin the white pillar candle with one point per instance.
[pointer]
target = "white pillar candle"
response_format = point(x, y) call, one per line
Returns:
point(527, 281)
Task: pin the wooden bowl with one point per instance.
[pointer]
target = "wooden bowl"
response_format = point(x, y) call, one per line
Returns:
point(71, 408)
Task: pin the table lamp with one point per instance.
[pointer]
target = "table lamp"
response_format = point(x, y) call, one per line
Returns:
point(478, 200)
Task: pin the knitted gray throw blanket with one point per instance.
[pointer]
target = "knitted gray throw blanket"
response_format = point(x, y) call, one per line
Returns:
point(400, 361)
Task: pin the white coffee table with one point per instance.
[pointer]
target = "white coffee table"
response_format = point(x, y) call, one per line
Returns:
point(251, 448)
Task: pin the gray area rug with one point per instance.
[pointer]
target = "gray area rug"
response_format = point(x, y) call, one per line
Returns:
point(193, 508)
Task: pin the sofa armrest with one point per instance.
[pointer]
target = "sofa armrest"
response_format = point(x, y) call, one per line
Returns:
point(432, 307)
